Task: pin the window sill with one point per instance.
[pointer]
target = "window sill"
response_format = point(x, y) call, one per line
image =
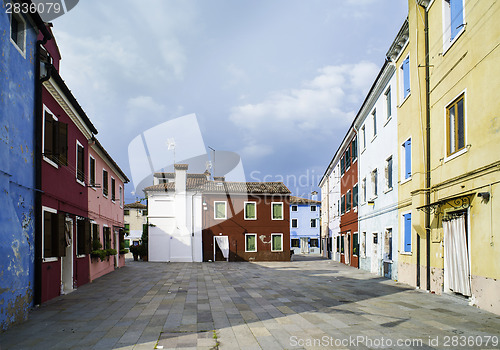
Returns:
point(81, 256)
point(404, 100)
point(388, 120)
point(80, 182)
point(447, 47)
point(277, 219)
point(276, 251)
point(456, 154)
point(22, 52)
point(388, 190)
point(363, 150)
point(50, 162)
point(220, 218)
point(405, 181)
point(250, 219)
point(46, 260)
point(406, 253)
point(373, 138)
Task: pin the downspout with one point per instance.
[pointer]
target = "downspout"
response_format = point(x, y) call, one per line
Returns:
point(37, 293)
point(428, 153)
point(357, 175)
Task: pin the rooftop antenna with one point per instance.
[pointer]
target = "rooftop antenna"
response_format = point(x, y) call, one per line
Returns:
point(171, 145)
point(213, 163)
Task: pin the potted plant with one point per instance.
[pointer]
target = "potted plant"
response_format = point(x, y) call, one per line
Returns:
point(134, 249)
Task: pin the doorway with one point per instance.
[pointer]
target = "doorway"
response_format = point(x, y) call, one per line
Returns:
point(374, 262)
point(304, 245)
point(221, 248)
point(67, 260)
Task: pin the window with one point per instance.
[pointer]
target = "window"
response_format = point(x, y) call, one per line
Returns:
point(313, 223)
point(121, 196)
point(277, 211)
point(363, 244)
point(295, 223)
point(388, 103)
point(388, 173)
point(294, 208)
point(354, 145)
point(363, 136)
point(342, 204)
point(144, 212)
point(106, 232)
point(113, 189)
point(407, 233)
point(250, 242)
point(104, 183)
point(455, 126)
point(55, 140)
point(355, 196)
point(126, 212)
point(338, 243)
point(295, 243)
point(92, 172)
point(404, 76)
point(80, 163)
point(338, 207)
point(347, 158)
point(406, 163)
point(127, 228)
point(342, 244)
point(374, 121)
point(18, 31)
point(454, 21)
point(348, 201)
point(220, 210)
point(313, 208)
point(53, 230)
point(374, 183)
point(95, 235)
point(342, 165)
point(314, 243)
point(250, 210)
point(363, 188)
point(82, 237)
point(276, 242)
point(388, 245)
point(355, 244)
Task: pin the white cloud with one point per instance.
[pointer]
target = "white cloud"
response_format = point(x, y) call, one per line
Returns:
point(320, 108)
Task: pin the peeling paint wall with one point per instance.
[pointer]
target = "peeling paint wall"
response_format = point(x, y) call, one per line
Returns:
point(17, 174)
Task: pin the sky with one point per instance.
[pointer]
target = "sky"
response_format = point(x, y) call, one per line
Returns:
point(277, 82)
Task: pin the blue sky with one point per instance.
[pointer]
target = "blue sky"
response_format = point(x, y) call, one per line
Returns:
point(276, 81)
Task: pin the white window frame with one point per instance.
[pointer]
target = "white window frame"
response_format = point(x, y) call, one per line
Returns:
point(121, 195)
point(348, 194)
point(403, 162)
point(246, 249)
point(53, 211)
point(291, 223)
point(245, 210)
point(51, 162)
point(363, 190)
point(315, 223)
point(363, 130)
point(294, 206)
point(276, 234)
point(402, 97)
point(76, 240)
point(272, 211)
point(388, 104)
point(18, 16)
point(110, 190)
point(465, 149)
point(90, 173)
point(313, 206)
point(374, 183)
point(102, 185)
point(78, 143)
point(374, 123)
point(446, 12)
point(215, 210)
point(387, 188)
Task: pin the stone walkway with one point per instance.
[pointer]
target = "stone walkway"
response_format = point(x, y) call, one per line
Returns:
point(304, 304)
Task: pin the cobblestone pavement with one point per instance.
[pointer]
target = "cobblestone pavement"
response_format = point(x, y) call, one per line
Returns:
point(303, 304)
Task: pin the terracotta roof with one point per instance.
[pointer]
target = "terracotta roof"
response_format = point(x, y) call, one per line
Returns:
point(192, 183)
point(172, 175)
point(247, 187)
point(181, 166)
point(136, 205)
point(299, 200)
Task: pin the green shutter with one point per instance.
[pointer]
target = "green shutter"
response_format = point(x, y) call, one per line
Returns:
point(250, 210)
point(277, 211)
point(251, 243)
point(220, 210)
point(59, 235)
point(276, 242)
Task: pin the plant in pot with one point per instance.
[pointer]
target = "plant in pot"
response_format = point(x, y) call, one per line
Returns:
point(97, 252)
point(123, 250)
point(134, 249)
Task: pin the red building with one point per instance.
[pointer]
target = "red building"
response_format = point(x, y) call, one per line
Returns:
point(349, 240)
point(246, 221)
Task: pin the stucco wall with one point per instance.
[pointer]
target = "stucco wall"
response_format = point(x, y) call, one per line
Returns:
point(17, 175)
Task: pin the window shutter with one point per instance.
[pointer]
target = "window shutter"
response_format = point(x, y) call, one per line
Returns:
point(407, 247)
point(59, 238)
point(62, 143)
point(49, 136)
point(87, 237)
point(48, 234)
point(407, 159)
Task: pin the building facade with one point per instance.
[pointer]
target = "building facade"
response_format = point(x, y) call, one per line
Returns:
point(135, 216)
point(378, 166)
point(18, 163)
point(304, 225)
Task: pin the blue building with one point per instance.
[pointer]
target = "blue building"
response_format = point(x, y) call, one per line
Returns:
point(18, 158)
point(304, 225)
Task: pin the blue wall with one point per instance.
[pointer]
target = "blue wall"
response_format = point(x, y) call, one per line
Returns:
point(17, 174)
point(304, 216)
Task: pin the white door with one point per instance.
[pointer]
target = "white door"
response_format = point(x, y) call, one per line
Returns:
point(223, 243)
point(117, 247)
point(67, 261)
point(456, 256)
point(304, 245)
point(375, 259)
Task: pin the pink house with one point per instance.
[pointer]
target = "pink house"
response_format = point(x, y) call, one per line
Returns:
point(105, 207)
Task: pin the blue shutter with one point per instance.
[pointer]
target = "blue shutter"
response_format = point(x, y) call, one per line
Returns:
point(456, 12)
point(407, 159)
point(406, 77)
point(407, 247)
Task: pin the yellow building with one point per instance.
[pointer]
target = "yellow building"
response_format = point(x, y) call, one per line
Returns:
point(447, 195)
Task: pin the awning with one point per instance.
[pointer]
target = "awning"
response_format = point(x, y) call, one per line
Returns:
point(457, 203)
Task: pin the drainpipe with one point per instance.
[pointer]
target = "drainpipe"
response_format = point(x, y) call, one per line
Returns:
point(37, 290)
point(428, 153)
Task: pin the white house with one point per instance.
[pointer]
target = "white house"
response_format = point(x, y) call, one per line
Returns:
point(376, 123)
point(175, 216)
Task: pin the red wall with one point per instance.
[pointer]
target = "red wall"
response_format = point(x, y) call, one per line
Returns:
point(236, 227)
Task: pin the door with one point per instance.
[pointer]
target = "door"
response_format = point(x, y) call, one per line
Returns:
point(67, 260)
point(375, 250)
point(221, 248)
point(304, 245)
point(117, 247)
